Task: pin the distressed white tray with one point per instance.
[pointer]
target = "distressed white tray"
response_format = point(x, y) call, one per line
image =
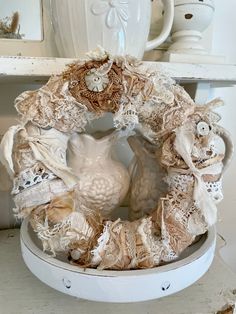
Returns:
point(118, 286)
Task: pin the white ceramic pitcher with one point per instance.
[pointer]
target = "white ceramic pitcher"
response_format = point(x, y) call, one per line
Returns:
point(119, 26)
point(103, 181)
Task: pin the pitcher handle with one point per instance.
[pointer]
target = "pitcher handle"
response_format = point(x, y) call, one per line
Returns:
point(229, 146)
point(167, 24)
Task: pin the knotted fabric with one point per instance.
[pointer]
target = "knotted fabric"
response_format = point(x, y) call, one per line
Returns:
point(183, 144)
point(48, 147)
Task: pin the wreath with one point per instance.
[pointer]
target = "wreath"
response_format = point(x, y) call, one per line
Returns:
point(171, 194)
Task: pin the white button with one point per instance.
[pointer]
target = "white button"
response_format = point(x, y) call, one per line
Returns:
point(203, 128)
point(75, 254)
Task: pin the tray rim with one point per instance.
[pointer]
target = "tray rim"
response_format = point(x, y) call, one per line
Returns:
point(210, 239)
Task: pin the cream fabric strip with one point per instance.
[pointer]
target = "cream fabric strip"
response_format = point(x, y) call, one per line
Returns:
point(42, 146)
point(183, 144)
point(6, 148)
point(39, 194)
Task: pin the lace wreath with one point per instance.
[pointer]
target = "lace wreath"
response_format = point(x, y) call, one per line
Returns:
point(183, 141)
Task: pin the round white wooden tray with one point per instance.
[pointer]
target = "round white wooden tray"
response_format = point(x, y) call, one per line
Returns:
point(117, 286)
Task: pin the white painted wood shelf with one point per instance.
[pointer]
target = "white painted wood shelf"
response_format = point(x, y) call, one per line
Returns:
point(22, 293)
point(38, 70)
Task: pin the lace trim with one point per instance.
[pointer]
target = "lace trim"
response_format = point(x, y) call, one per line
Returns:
point(184, 183)
point(126, 117)
point(31, 176)
point(60, 237)
point(181, 182)
point(53, 106)
point(41, 193)
point(215, 190)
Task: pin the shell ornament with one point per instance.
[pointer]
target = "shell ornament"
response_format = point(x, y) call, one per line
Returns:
point(182, 139)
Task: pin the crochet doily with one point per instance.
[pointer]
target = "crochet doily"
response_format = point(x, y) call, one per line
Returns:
point(183, 163)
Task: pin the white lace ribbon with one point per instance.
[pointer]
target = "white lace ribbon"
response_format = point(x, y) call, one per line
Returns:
point(183, 144)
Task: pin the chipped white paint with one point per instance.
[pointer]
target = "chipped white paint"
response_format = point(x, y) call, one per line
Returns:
point(33, 69)
point(191, 18)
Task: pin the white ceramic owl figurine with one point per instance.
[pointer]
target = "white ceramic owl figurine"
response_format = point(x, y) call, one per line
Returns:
point(147, 183)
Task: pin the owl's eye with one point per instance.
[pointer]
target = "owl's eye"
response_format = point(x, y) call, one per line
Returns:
point(203, 128)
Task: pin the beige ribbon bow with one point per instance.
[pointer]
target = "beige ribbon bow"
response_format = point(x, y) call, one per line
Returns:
point(183, 144)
